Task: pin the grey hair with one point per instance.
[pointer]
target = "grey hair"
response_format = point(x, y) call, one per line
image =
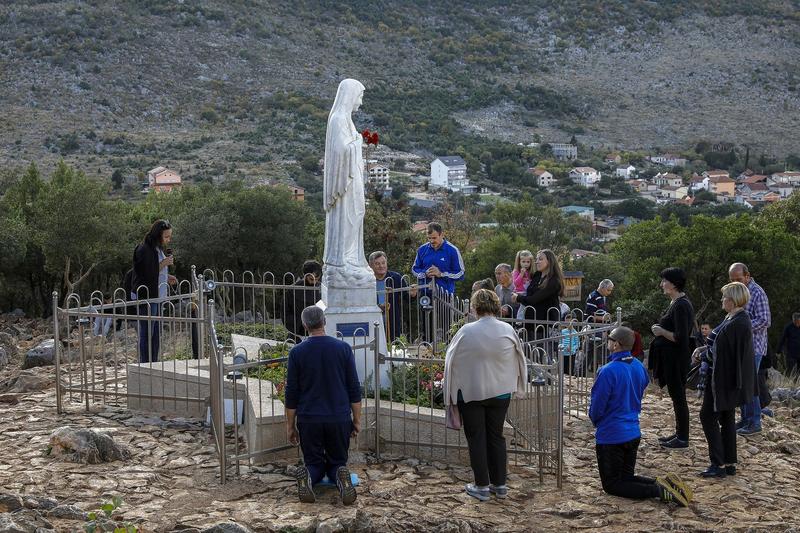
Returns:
point(739, 266)
point(606, 284)
point(504, 267)
point(795, 316)
point(375, 255)
point(312, 317)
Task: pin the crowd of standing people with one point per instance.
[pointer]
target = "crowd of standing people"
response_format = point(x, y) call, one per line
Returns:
point(485, 363)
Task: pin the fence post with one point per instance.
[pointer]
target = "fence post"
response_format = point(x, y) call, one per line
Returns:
point(82, 344)
point(217, 401)
point(201, 315)
point(560, 429)
point(57, 352)
point(434, 321)
point(376, 372)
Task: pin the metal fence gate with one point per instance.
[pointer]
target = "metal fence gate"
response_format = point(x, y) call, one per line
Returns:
point(222, 356)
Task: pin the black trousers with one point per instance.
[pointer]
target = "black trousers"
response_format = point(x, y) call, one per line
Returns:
point(677, 391)
point(617, 463)
point(720, 429)
point(483, 426)
point(325, 446)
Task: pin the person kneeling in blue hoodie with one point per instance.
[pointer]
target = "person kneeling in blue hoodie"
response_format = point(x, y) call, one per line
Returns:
point(616, 403)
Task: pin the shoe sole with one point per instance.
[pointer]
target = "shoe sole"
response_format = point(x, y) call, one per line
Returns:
point(345, 485)
point(304, 490)
point(676, 494)
point(679, 484)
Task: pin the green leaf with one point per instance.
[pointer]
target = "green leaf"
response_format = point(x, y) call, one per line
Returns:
point(117, 501)
point(90, 528)
point(92, 516)
point(107, 508)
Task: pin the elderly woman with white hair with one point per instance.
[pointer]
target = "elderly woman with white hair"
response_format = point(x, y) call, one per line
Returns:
point(484, 366)
point(730, 380)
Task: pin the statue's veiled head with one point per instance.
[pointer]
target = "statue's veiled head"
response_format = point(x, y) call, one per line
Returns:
point(348, 96)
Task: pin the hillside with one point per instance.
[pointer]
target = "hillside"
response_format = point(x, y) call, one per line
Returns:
point(242, 87)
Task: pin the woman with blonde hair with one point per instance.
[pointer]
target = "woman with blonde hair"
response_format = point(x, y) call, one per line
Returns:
point(541, 299)
point(730, 380)
point(484, 365)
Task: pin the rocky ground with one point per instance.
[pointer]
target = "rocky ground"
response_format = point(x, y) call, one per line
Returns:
point(170, 481)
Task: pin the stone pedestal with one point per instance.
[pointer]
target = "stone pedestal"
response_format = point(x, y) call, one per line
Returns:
point(350, 314)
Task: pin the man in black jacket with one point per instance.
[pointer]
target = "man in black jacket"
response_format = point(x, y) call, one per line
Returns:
point(789, 344)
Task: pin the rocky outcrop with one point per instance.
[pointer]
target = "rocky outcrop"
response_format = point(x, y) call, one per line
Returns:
point(42, 355)
point(86, 446)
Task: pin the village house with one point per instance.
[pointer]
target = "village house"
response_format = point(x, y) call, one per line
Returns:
point(449, 172)
point(784, 183)
point(298, 192)
point(641, 186)
point(667, 178)
point(585, 176)
point(672, 192)
point(543, 178)
point(162, 179)
point(669, 160)
point(378, 175)
point(626, 173)
point(564, 151)
point(697, 183)
point(613, 159)
point(716, 174)
point(720, 184)
point(755, 178)
point(786, 177)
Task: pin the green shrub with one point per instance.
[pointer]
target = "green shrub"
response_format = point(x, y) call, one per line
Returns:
point(267, 330)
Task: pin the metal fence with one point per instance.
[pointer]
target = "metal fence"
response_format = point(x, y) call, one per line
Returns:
point(223, 352)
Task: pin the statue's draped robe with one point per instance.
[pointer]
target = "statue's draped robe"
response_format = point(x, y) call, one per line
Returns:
point(343, 188)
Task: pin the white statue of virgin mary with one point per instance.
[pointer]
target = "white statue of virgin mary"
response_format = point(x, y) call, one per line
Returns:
point(343, 194)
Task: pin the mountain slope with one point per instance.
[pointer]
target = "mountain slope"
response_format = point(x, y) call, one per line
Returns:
point(243, 87)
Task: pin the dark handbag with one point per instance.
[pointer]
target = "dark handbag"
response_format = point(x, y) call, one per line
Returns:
point(453, 417)
point(693, 380)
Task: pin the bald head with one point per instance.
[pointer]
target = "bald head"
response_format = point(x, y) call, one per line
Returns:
point(624, 337)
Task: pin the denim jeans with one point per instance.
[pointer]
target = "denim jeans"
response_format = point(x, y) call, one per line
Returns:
point(751, 411)
point(149, 334)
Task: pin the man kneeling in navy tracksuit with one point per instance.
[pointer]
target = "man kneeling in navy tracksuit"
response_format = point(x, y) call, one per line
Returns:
point(321, 391)
point(616, 403)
